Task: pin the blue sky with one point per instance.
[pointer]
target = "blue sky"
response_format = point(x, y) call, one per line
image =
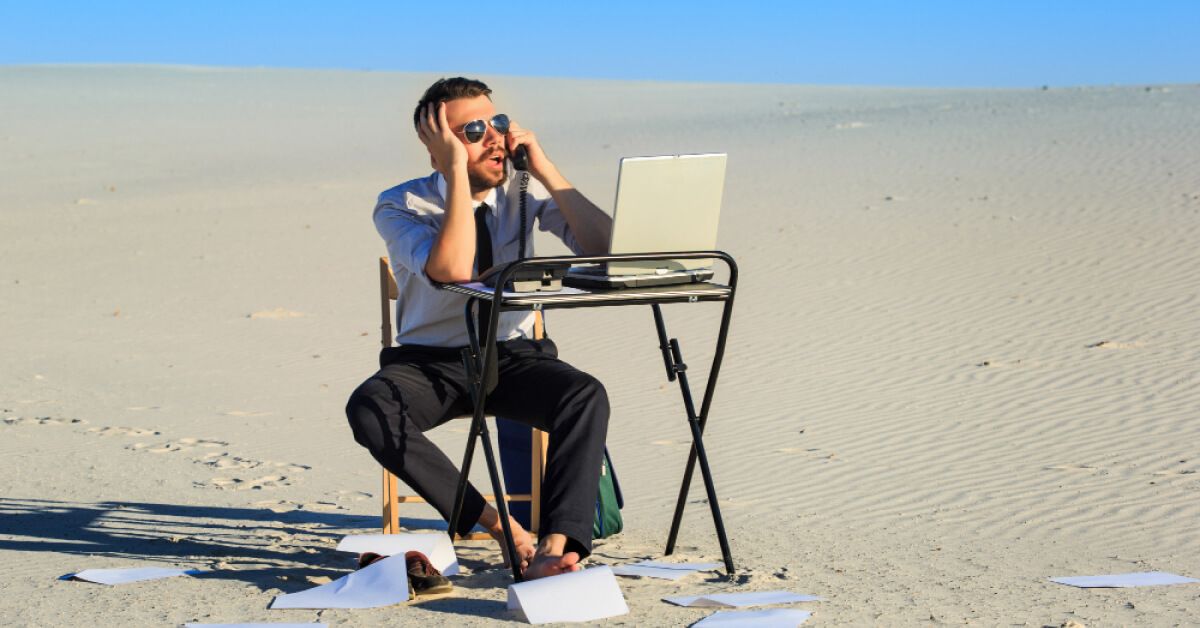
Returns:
point(907, 43)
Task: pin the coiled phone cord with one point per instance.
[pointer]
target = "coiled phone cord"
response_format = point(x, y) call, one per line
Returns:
point(523, 202)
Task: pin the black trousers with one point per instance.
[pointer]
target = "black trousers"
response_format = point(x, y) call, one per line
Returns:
point(418, 388)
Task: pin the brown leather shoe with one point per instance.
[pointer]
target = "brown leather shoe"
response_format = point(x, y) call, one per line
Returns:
point(368, 558)
point(423, 579)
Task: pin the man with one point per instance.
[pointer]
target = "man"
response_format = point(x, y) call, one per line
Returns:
point(432, 227)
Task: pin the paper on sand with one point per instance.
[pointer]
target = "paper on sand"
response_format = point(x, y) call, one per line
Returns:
point(741, 600)
point(584, 595)
point(770, 618)
point(1123, 580)
point(136, 574)
point(665, 571)
point(382, 583)
point(436, 546)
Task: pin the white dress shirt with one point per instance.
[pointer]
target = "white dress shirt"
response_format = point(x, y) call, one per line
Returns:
point(409, 216)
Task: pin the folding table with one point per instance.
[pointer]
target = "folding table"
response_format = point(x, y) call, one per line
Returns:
point(479, 359)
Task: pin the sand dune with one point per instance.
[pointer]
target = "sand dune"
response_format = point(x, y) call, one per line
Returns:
point(963, 359)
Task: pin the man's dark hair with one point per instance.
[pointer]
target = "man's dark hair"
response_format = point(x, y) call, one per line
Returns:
point(449, 89)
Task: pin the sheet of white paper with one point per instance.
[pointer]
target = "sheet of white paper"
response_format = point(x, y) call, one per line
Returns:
point(137, 574)
point(665, 571)
point(657, 564)
point(436, 546)
point(382, 583)
point(585, 595)
point(637, 571)
point(475, 285)
point(1122, 580)
point(256, 626)
point(770, 618)
point(741, 600)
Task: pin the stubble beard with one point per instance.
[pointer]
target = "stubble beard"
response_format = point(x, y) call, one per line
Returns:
point(482, 180)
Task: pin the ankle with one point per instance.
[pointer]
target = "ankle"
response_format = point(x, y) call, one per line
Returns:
point(552, 545)
point(496, 528)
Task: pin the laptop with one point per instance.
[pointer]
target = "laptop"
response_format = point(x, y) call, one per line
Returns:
point(665, 203)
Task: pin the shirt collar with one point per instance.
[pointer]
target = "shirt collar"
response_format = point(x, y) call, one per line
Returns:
point(441, 188)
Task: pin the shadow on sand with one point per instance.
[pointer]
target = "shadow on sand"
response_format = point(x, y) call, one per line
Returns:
point(258, 546)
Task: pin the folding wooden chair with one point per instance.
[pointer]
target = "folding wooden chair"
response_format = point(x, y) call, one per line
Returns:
point(388, 292)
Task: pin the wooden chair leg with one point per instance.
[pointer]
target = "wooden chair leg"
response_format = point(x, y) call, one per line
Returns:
point(391, 513)
point(538, 467)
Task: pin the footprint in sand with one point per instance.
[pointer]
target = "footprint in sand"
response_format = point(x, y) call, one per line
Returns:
point(240, 484)
point(289, 506)
point(161, 448)
point(41, 420)
point(123, 431)
point(322, 507)
point(226, 460)
point(354, 495)
point(277, 506)
point(182, 444)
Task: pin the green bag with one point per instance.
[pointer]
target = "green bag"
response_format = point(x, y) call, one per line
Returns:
point(608, 502)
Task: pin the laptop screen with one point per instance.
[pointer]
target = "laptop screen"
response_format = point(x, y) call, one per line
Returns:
point(667, 203)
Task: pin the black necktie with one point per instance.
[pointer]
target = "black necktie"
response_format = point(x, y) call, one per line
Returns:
point(483, 261)
point(483, 239)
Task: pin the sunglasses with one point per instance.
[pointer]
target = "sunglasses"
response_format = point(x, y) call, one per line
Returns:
point(474, 130)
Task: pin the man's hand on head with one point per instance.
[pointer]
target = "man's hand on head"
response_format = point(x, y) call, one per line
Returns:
point(447, 152)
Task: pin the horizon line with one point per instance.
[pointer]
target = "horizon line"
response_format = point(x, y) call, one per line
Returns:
point(233, 68)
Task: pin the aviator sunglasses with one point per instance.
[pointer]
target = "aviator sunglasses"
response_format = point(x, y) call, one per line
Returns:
point(474, 130)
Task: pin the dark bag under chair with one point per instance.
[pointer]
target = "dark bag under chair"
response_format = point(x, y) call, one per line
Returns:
point(608, 502)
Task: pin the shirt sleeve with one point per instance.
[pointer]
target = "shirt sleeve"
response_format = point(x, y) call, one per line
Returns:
point(550, 217)
point(409, 238)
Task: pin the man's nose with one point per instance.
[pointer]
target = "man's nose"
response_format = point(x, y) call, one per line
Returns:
point(492, 136)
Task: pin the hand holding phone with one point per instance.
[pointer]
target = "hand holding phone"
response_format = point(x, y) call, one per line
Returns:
point(519, 153)
point(520, 158)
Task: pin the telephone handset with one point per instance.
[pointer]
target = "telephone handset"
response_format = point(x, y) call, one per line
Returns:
point(520, 158)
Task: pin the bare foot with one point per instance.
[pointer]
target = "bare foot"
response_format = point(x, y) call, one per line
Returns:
point(545, 565)
point(522, 539)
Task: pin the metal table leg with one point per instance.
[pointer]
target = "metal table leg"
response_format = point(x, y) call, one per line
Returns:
point(477, 363)
point(673, 359)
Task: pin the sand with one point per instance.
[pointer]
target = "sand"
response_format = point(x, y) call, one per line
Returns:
point(964, 357)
